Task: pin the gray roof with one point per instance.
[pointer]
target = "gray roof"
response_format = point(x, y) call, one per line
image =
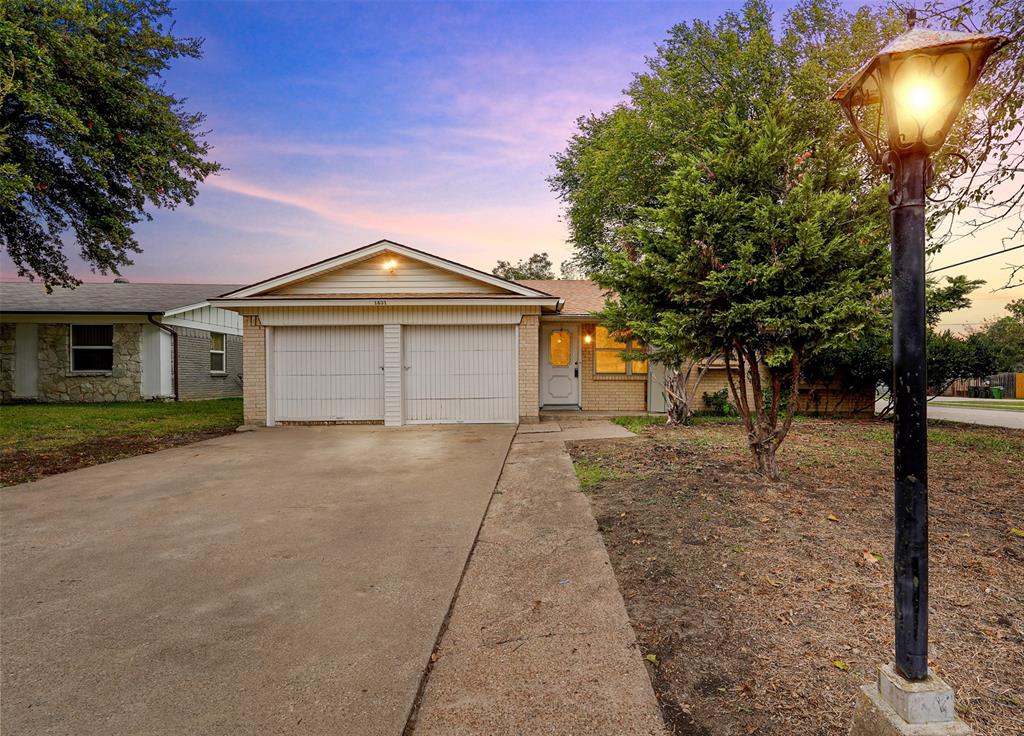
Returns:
point(106, 298)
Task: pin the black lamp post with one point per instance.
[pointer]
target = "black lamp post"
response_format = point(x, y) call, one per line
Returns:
point(902, 104)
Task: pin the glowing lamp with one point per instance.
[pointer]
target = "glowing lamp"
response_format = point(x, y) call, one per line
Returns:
point(906, 98)
point(390, 265)
point(588, 338)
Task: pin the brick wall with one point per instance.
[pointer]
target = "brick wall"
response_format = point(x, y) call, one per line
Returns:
point(608, 392)
point(529, 368)
point(196, 381)
point(816, 399)
point(254, 367)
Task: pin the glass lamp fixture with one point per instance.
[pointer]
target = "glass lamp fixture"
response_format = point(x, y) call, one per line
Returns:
point(390, 265)
point(905, 99)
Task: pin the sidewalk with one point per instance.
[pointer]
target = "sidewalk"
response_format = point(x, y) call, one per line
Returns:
point(539, 641)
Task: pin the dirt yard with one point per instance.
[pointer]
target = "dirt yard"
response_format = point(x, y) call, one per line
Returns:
point(762, 607)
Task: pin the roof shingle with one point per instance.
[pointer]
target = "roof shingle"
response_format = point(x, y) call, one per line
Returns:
point(107, 298)
point(582, 296)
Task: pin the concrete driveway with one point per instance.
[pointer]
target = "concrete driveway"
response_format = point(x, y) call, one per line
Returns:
point(284, 581)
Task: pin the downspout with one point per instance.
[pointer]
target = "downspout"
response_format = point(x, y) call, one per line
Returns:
point(174, 349)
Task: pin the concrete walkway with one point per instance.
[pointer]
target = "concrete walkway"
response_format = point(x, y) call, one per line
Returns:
point(285, 581)
point(539, 641)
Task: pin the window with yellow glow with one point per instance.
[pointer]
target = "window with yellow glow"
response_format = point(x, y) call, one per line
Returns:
point(608, 348)
point(559, 348)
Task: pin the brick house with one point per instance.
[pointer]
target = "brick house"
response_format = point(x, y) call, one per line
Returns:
point(392, 335)
point(117, 342)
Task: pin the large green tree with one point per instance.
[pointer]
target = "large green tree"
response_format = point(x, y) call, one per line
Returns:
point(619, 162)
point(89, 136)
point(762, 248)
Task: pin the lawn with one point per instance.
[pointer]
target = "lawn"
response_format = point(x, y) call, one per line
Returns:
point(42, 439)
point(765, 606)
point(1002, 404)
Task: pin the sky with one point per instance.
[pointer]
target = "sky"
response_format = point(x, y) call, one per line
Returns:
point(425, 123)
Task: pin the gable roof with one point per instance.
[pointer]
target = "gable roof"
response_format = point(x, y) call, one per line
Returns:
point(106, 298)
point(582, 296)
point(260, 288)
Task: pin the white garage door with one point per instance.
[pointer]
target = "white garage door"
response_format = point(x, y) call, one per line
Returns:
point(460, 374)
point(328, 373)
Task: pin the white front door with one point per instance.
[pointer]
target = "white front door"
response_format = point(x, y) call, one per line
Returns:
point(559, 364)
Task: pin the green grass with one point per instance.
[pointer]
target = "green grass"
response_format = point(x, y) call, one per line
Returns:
point(638, 424)
point(590, 473)
point(974, 441)
point(964, 437)
point(1002, 405)
point(52, 426)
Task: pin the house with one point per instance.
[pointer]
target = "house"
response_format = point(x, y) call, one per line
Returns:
point(393, 335)
point(117, 342)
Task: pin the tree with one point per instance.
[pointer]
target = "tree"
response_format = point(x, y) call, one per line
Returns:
point(1006, 335)
point(89, 136)
point(865, 361)
point(619, 162)
point(538, 266)
point(761, 248)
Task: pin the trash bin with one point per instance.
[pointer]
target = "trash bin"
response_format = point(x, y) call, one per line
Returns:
point(974, 392)
point(997, 392)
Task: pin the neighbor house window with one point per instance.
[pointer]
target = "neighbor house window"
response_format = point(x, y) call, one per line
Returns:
point(92, 348)
point(608, 348)
point(216, 352)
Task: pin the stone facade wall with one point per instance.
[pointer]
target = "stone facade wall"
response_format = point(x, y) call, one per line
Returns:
point(254, 361)
point(608, 392)
point(6, 361)
point(529, 369)
point(58, 383)
point(196, 381)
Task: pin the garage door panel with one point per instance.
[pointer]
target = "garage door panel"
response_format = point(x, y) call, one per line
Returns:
point(460, 373)
point(328, 373)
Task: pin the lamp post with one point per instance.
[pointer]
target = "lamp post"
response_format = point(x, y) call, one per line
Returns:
point(902, 103)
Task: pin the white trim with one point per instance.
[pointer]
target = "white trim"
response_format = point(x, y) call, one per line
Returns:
point(518, 397)
point(576, 360)
point(269, 377)
point(238, 303)
point(189, 308)
point(223, 352)
point(72, 348)
point(368, 251)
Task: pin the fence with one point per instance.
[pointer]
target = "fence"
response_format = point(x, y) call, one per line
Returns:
point(1011, 383)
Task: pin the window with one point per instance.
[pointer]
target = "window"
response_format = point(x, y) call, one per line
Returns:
point(216, 352)
point(559, 348)
point(92, 348)
point(608, 348)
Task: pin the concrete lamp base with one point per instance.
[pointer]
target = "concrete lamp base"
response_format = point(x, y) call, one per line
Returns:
point(897, 706)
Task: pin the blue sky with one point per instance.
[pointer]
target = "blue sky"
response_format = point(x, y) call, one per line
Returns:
point(432, 124)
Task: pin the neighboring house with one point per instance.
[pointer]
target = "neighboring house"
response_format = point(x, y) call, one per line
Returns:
point(117, 342)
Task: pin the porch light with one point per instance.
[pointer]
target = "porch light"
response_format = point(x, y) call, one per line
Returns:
point(390, 265)
point(906, 98)
point(588, 338)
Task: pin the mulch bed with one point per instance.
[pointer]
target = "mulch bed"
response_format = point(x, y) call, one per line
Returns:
point(21, 466)
point(767, 605)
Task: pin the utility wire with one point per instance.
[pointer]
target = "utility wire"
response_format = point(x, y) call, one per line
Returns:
point(972, 260)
